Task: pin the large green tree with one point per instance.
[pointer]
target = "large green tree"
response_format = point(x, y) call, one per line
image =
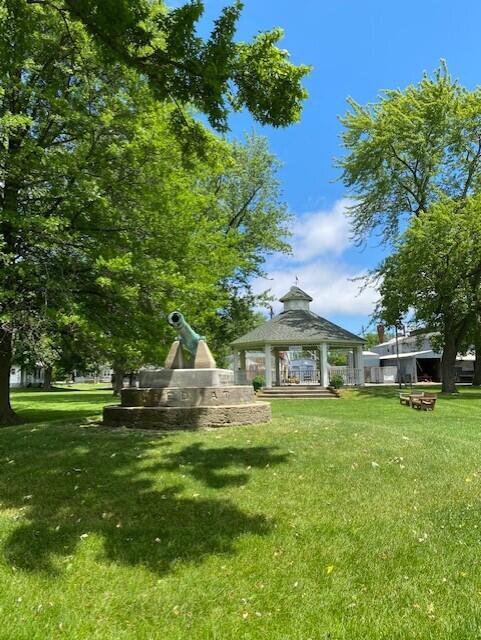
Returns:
point(51, 130)
point(105, 226)
point(205, 231)
point(435, 275)
point(408, 151)
point(69, 166)
point(105, 223)
point(256, 224)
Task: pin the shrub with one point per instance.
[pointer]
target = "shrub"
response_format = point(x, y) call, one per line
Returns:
point(336, 381)
point(258, 382)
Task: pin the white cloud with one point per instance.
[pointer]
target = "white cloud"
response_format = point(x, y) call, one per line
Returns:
point(318, 243)
point(332, 286)
point(322, 232)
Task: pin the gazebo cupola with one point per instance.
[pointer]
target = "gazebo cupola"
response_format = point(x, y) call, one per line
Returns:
point(296, 300)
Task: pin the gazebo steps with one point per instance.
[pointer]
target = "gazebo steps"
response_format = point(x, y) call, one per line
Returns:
point(299, 392)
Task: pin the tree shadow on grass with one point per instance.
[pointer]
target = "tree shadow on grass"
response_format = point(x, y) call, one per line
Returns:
point(209, 465)
point(67, 485)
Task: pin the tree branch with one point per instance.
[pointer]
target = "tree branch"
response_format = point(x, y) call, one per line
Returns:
point(237, 217)
point(472, 167)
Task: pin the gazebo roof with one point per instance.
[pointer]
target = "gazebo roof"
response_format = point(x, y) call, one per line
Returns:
point(297, 327)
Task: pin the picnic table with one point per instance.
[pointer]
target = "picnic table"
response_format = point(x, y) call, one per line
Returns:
point(421, 400)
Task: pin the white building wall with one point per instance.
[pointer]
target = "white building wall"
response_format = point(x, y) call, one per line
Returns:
point(23, 378)
point(406, 344)
point(15, 376)
point(104, 375)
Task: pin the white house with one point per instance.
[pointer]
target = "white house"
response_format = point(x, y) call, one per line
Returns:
point(21, 377)
point(103, 374)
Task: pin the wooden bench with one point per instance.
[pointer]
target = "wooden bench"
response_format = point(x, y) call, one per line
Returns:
point(407, 398)
point(426, 402)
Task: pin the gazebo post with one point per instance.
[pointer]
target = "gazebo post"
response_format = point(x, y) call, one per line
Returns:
point(324, 365)
point(277, 361)
point(235, 364)
point(358, 364)
point(243, 367)
point(268, 365)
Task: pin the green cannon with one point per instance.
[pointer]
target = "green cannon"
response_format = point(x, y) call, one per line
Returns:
point(188, 337)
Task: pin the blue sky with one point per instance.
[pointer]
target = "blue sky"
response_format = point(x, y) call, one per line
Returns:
point(357, 49)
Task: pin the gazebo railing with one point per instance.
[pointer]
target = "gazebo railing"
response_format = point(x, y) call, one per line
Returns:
point(350, 375)
point(301, 375)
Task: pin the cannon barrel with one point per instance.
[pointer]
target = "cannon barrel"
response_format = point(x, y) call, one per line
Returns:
point(188, 337)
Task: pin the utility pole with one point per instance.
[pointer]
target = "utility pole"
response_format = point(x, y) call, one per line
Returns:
point(397, 356)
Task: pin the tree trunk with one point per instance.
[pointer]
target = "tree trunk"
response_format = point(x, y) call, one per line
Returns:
point(448, 364)
point(7, 414)
point(477, 362)
point(47, 378)
point(119, 375)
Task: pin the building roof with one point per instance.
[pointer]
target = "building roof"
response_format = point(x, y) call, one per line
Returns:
point(468, 357)
point(295, 293)
point(411, 354)
point(390, 341)
point(297, 327)
point(411, 337)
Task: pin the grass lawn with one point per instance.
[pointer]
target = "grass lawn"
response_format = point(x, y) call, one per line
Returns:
point(349, 519)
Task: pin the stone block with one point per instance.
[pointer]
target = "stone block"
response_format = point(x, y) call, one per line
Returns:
point(203, 357)
point(175, 357)
point(161, 378)
point(187, 396)
point(174, 418)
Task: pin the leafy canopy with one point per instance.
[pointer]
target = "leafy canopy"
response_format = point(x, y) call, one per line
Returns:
point(409, 150)
point(435, 271)
point(214, 74)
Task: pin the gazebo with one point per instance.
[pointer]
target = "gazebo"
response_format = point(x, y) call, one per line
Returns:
point(296, 345)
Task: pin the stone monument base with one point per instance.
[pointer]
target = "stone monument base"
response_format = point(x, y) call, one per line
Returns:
point(187, 399)
point(163, 417)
